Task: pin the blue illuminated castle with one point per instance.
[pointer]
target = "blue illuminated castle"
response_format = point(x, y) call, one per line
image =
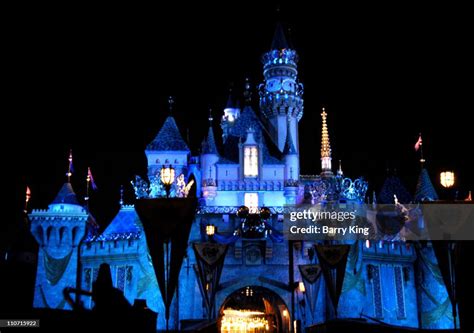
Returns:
point(257, 166)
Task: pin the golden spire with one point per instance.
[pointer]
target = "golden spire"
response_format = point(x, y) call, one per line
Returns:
point(325, 144)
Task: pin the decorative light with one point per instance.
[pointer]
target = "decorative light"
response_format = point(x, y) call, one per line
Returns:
point(210, 230)
point(447, 179)
point(285, 313)
point(301, 287)
point(167, 178)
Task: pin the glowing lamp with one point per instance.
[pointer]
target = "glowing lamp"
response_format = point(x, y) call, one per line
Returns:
point(447, 179)
point(167, 178)
point(210, 230)
point(301, 287)
point(285, 313)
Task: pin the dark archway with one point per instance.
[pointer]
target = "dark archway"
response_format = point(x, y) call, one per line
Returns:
point(253, 309)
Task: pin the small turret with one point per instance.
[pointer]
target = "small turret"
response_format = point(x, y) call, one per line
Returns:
point(325, 148)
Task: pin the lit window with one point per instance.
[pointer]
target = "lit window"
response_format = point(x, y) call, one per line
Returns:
point(251, 201)
point(250, 161)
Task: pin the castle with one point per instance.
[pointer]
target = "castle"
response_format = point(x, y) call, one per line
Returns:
point(258, 166)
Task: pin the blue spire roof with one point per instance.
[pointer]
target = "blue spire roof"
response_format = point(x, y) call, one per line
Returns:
point(424, 188)
point(66, 195)
point(394, 186)
point(168, 138)
point(279, 39)
point(232, 102)
point(125, 225)
point(209, 143)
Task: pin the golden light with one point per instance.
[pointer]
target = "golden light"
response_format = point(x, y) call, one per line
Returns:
point(285, 313)
point(301, 287)
point(447, 179)
point(243, 321)
point(167, 175)
point(210, 229)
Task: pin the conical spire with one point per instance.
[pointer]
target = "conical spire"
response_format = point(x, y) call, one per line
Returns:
point(424, 188)
point(66, 195)
point(209, 144)
point(339, 171)
point(325, 145)
point(168, 138)
point(232, 103)
point(289, 148)
point(279, 41)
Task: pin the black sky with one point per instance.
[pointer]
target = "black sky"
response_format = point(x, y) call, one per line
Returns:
point(97, 80)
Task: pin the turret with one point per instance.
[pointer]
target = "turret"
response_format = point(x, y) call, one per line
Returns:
point(231, 114)
point(59, 231)
point(209, 158)
point(281, 95)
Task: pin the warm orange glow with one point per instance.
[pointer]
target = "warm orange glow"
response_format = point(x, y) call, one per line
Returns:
point(243, 321)
point(210, 230)
point(301, 287)
point(167, 175)
point(447, 179)
point(285, 313)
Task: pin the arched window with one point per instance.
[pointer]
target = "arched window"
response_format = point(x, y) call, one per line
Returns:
point(250, 161)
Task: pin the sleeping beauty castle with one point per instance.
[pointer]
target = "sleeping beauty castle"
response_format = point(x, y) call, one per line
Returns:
point(238, 268)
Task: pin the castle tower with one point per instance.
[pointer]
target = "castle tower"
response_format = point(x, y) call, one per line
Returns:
point(231, 114)
point(326, 167)
point(58, 230)
point(281, 96)
point(209, 158)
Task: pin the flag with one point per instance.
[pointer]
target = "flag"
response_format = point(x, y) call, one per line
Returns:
point(28, 194)
point(418, 143)
point(70, 169)
point(91, 179)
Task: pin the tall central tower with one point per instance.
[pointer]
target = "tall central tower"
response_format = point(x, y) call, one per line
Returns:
point(281, 96)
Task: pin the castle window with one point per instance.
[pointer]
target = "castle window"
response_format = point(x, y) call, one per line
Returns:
point(251, 201)
point(250, 161)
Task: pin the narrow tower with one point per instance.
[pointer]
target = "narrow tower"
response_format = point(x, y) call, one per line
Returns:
point(325, 148)
point(281, 96)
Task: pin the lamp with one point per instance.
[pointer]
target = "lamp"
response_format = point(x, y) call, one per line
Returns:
point(210, 230)
point(301, 287)
point(447, 179)
point(167, 178)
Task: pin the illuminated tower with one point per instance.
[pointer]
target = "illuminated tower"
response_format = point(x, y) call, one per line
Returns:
point(325, 148)
point(231, 114)
point(59, 231)
point(281, 96)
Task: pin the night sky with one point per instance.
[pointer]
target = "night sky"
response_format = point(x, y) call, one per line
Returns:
point(97, 79)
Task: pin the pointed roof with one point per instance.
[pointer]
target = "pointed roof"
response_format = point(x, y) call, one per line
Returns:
point(289, 148)
point(238, 134)
point(232, 102)
point(279, 39)
point(394, 186)
point(168, 138)
point(209, 143)
point(424, 188)
point(125, 225)
point(66, 195)
point(325, 144)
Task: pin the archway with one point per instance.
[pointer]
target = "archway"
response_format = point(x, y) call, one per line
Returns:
point(253, 309)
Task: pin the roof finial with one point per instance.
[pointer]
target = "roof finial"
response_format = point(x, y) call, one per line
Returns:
point(339, 171)
point(210, 117)
point(121, 196)
point(247, 91)
point(170, 104)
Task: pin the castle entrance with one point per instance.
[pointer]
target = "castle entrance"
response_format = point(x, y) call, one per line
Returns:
point(253, 309)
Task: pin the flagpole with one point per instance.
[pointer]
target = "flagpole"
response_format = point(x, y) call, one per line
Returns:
point(422, 160)
point(88, 180)
point(69, 170)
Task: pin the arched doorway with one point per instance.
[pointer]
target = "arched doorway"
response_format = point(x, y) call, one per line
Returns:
point(253, 309)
